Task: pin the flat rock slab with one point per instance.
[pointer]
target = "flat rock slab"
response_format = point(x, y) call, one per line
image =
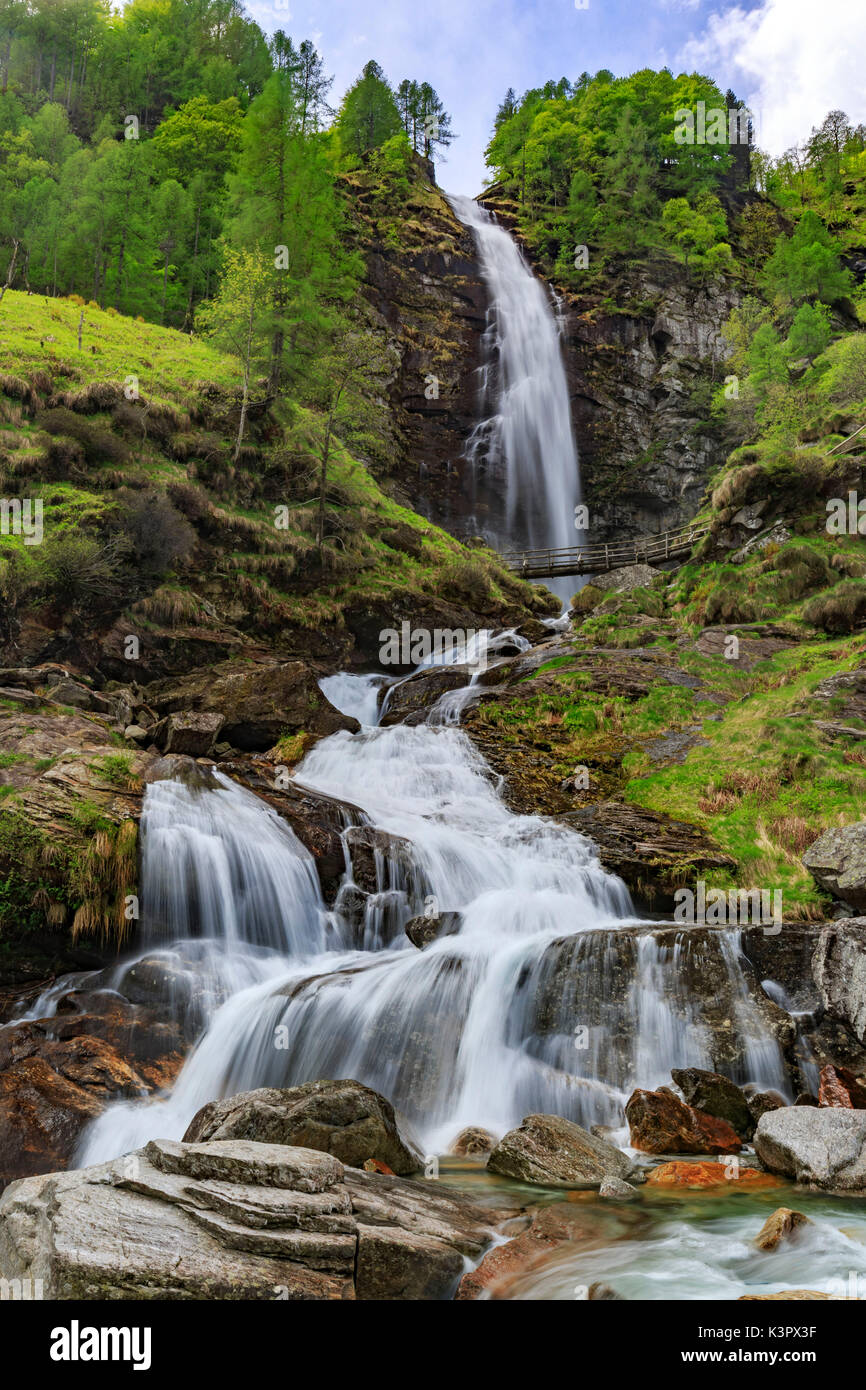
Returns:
point(235, 1219)
point(242, 1161)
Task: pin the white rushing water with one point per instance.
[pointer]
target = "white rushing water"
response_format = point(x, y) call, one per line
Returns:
point(527, 428)
point(538, 1002)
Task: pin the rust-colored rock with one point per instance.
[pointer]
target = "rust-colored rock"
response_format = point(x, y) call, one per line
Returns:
point(780, 1226)
point(57, 1074)
point(839, 1087)
point(739, 1178)
point(551, 1226)
point(375, 1165)
point(659, 1123)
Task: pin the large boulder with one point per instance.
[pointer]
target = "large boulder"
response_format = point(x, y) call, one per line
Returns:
point(259, 703)
point(188, 732)
point(821, 1147)
point(716, 1095)
point(837, 861)
point(553, 1152)
point(840, 1087)
point(342, 1118)
point(237, 1220)
point(839, 968)
point(660, 1123)
point(57, 1074)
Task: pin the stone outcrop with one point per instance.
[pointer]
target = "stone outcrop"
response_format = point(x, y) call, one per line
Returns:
point(57, 1074)
point(342, 1118)
point(837, 861)
point(716, 1095)
point(840, 1087)
point(235, 1219)
point(659, 1123)
point(258, 702)
point(553, 1152)
point(839, 968)
point(412, 699)
point(646, 849)
point(823, 1148)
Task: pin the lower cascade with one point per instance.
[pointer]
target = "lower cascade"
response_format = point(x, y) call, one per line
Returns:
point(548, 995)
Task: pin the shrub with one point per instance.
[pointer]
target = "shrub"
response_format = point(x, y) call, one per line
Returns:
point(98, 443)
point(841, 610)
point(81, 569)
point(159, 537)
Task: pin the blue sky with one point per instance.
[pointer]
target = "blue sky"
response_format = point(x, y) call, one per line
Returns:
point(791, 60)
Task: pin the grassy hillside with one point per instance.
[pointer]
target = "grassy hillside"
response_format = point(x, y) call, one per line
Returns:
point(147, 515)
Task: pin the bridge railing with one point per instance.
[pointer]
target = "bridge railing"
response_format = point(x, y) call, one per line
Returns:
point(610, 556)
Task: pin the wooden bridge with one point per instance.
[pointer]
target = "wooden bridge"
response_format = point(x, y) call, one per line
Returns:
point(598, 559)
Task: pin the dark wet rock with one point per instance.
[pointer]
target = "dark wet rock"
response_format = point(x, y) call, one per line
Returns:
point(236, 1219)
point(717, 1096)
point(837, 861)
point(781, 1226)
point(588, 980)
point(659, 1123)
point(472, 1142)
point(421, 931)
point(821, 1147)
point(377, 856)
point(259, 703)
point(785, 959)
point(342, 1118)
point(647, 849)
point(412, 700)
point(553, 1152)
point(193, 734)
point(760, 1102)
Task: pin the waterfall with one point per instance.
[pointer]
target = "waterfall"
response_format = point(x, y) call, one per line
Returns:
point(550, 995)
point(526, 430)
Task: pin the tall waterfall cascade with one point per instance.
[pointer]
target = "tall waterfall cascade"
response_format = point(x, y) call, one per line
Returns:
point(526, 432)
point(548, 994)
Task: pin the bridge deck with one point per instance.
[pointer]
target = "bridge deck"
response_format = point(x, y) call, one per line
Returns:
point(576, 560)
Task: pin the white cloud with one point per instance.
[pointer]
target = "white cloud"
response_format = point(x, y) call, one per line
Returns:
point(791, 61)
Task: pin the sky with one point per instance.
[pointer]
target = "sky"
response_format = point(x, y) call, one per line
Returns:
point(791, 61)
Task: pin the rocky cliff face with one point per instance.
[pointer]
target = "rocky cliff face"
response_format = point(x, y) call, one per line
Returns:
point(642, 361)
point(640, 384)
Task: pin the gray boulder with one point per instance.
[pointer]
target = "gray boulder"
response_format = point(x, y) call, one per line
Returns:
point(823, 1148)
point(553, 1152)
point(342, 1118)
point(839, 968)
point(237, 1220)
point(837, 861)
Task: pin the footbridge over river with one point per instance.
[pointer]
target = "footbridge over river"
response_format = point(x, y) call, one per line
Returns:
point(598, 559)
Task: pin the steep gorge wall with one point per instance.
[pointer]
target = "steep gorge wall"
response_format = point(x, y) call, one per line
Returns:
point(641, 360)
